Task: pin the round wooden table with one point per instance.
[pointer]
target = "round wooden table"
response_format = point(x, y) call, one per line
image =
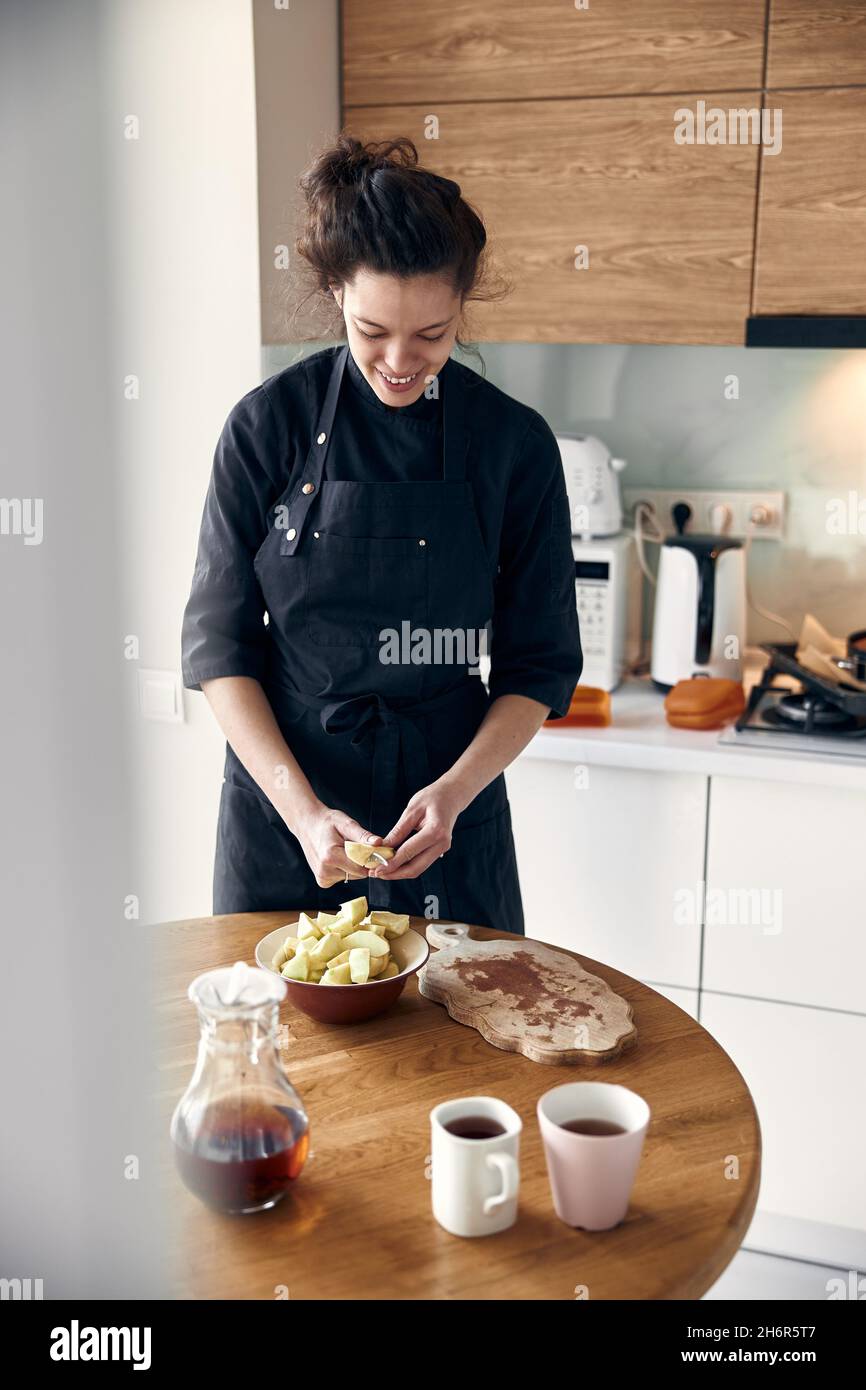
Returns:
point(358, 1223)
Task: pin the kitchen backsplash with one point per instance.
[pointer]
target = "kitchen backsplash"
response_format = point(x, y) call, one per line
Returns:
point(793, 420)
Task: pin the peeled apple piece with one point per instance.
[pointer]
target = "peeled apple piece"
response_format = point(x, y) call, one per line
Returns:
point(367, 925)
point(297, 968)
point(366, 940)
point(356, 909)
point(337, 974)
point(359, 966)
point(307, 928)
point(394, 923)
point(363, 855)
point(329, 946)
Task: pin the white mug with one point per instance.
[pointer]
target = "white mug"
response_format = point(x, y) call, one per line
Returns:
point(475, 1181)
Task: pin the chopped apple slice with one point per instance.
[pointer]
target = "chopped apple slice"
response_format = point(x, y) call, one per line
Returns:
point(367, 940)
point(394, 923)
point(329, 946)
point(365, 855)
point(356, 909)
point(391, 969)
point(297, 968)
point(326, 919)
point(341, 959)
point(359, 965)
point(377, 965)
point(337, 975)
point(367, 924)
point(307, 928)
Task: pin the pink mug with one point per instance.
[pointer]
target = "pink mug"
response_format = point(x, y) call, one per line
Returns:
point(591, 1175)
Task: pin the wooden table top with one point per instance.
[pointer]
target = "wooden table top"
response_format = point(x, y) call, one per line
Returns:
point(358, 1222)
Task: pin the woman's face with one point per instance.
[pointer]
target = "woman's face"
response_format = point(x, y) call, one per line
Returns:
point(399, 329)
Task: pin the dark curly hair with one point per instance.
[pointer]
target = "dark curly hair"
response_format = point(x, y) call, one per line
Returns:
point(373, 207)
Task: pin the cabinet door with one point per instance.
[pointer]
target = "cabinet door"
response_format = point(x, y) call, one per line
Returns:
point(804, 1068)
point(602, 852)
point(474, 50)
point(786, 884)
point(668, 228)
point(812, 207)
point(810, 44)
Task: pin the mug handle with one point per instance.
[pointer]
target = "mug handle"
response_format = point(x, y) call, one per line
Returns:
point(507, 1165)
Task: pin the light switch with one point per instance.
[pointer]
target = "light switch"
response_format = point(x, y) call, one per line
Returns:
point(160, 696)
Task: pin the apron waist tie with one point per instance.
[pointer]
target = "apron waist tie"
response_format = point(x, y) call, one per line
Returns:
point(388, 735)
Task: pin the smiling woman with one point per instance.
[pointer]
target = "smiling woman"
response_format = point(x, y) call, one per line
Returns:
point(376, 487)
point(436, 266)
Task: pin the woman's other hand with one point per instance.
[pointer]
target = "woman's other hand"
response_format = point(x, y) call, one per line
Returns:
point(423, 832)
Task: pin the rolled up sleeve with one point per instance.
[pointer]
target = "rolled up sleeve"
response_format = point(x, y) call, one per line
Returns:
point(535, 648)
point(223, 631)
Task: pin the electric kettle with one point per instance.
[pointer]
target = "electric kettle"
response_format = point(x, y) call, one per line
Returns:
point(699, 626)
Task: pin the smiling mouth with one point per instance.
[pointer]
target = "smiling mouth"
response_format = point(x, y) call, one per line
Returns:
point(398, 380)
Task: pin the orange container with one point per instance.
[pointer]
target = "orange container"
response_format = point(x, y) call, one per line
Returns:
point(705, 702)
point(589, 708)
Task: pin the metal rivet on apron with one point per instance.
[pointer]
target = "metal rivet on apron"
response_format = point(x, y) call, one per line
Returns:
point(308, 488)
point(316, 535)
point(321, 438)
point(291, 534)
point(422, 542)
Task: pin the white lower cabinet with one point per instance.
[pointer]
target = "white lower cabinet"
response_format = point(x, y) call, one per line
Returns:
point(602, 853)
point(786, 893)
point(613, 864)
point(804, 1068)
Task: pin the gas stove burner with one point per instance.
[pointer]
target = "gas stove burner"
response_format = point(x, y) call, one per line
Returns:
point(808, 709)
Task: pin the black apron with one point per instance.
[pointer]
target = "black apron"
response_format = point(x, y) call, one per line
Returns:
point(347, 561)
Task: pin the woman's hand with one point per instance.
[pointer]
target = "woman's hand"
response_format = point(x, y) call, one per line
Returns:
point(321, 832)
point(423, 832)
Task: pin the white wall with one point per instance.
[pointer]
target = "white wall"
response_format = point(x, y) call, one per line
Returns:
point(186, 282)
point(186, 288)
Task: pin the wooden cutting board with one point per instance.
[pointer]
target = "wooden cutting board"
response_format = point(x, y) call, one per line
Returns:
point(526, 997)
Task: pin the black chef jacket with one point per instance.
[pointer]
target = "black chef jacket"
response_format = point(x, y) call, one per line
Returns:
point(519, 492)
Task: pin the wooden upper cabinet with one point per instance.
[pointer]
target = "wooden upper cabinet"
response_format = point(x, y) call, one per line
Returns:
point(816, 44)
point(487, 50)
point(668, 228)
point(811, 245)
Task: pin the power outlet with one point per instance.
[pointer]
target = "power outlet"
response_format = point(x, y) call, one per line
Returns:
point(759, 514)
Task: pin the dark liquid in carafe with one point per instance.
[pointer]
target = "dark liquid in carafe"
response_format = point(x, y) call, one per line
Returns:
point(244, 1160)
point(590, 1126)
point(475, 1127)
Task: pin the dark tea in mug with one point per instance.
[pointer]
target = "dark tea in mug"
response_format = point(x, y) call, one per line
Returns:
point(588, 1125)
point(474, 1127)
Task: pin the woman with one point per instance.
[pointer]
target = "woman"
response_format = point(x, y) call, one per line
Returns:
point(370, 499)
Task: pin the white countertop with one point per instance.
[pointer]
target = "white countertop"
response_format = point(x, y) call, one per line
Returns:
point(640, 737)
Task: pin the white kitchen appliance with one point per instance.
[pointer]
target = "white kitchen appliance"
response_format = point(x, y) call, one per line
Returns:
point(699, 626)
point(592, 481)
point(606, 575)
point(608, 591)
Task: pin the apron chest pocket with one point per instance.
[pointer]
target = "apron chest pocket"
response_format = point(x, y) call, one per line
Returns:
point(359, 586)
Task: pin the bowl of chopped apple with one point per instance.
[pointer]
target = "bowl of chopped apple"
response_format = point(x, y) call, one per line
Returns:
point(346, 966)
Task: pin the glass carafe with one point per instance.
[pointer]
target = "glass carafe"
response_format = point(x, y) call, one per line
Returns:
point(240, 1131)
